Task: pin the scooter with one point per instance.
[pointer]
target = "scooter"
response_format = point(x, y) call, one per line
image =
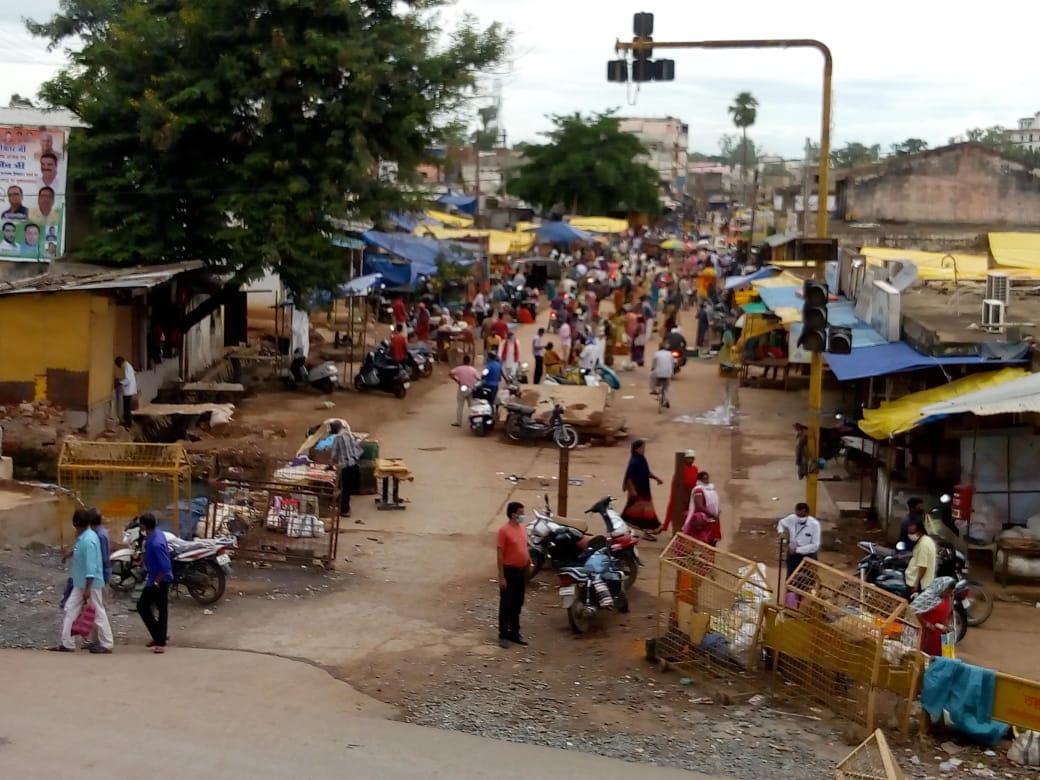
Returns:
point(590, 588)
point(521, 425)
point(561, 542)
point(483, 408)
point(554, 322)
point(324, 377)
point(379, 372)
point(420, 360)
point(201, 566)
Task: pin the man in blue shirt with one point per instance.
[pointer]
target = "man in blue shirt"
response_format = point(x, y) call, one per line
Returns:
point(156, 595)
point(88, 582)
point(492, 374)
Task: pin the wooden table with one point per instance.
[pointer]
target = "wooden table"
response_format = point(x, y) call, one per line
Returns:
point(781, 368)
point(391, 470)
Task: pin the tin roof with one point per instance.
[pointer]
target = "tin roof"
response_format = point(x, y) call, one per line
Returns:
point(68, 277)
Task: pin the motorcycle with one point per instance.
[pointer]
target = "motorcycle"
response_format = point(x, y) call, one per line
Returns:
point(420, 361)
point(323, 377)
point(554, 321)
point(594, 586)
point(520, 425)
point(201, 566)
point(561, 542)
point(483, 408)
point(379, 372)
point(886, 568)
point(678, 361)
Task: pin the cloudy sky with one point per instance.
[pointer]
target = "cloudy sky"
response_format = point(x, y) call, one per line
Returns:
point(902, 68)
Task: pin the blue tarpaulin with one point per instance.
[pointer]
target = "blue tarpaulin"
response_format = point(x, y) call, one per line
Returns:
point(409, 222)
point(420, 250)
point(897, 357)
point(394, 273)
point(559, 233)
point(761, 273)
point(464, 203)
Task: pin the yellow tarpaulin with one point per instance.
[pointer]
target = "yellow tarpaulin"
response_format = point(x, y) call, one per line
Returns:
point(1016, 250)
point(894, 417)
point(783, 279)
point(500, 242)
point(932, 266)
point(600, 224)
point(449, 220)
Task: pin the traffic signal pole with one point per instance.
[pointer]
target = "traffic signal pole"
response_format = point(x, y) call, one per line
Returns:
point(823, 188)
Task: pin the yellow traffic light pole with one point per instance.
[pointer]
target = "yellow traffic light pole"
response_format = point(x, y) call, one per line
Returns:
point(816, 366)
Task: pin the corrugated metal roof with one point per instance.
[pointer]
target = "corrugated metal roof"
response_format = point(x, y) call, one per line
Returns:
point(1014, 397)
point(67, 277)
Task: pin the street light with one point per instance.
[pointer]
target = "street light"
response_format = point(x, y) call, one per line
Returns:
point(642, 48)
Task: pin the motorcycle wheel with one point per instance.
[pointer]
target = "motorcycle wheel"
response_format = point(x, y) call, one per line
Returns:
point(629, 566)
point(566, 437)
point(621, 603)
point(123, 578)
point(480, 429)
point(427, 369)
point(513, 428)
point(960, 621)
point(981, 604)
point(400, 391)
point(536, 564)
point(359, 384)
point(326, 385)
point(579, 620)
point(207, 583)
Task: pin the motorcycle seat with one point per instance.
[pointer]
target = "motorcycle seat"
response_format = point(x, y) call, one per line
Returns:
point(522, 409)
point(577, 523)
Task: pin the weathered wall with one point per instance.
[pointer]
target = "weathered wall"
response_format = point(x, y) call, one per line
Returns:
point(961, 184)
point(203, 343)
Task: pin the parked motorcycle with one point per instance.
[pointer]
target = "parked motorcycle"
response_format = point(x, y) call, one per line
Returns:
point(201, 566)
point(379, 372)
point(521, 425)
point(483, 408)
point(594, 586)
point(420, 360)
point(559, 542)
point(324, 377)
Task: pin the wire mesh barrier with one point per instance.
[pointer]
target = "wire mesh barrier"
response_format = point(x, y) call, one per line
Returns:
point(843, 643)
point(126, 479)
point(292, 516)
point(871, 760)
point(708, 608)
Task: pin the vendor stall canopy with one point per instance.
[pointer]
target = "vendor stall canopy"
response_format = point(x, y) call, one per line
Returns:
point(901, 415)
point(558, 233)
point(898, 356)
point(499, 242)
point(599, 224)
point(1015, 397)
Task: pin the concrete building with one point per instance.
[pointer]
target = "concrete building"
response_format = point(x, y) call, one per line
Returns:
point(709, 184)
point(962, 184)
point(1027, 134)
point(666, 140)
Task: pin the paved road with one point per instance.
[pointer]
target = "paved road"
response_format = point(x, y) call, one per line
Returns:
point(231, 715)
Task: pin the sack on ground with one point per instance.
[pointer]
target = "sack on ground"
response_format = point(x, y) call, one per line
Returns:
point(1025, 750)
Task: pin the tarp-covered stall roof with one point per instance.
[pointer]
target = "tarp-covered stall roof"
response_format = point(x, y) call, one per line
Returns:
point(908, 412)
point(897, 357)
point(1015, 397)
point(1016, 250)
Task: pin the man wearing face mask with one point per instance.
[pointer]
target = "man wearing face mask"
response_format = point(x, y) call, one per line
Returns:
point(921, 570)
point(513, 560)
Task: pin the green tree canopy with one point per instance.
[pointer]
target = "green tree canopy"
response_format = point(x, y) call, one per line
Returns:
point(587, 167)
point(855, 153)
point(231, 131)
point(736, 149)
point(909, 146)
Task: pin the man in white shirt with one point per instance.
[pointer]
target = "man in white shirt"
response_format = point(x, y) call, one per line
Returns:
point(127, 385)
point(591, 354)
point(661, 371)
point(803, 536)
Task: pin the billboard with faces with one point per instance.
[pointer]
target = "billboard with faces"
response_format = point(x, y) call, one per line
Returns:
point(33, 172)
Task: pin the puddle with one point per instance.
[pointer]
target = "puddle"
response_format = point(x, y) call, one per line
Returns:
point(725, 415)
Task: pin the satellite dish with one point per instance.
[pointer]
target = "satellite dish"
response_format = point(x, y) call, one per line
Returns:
point(902, 274)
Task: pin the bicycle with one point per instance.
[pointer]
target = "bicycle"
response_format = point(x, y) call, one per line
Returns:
point(662, 394)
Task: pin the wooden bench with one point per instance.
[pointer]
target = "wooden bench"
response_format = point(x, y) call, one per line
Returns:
point(781, 368)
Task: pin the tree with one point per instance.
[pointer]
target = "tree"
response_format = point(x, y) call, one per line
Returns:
point(996, 137)
point(744, 111)
point(855, 153)
point(588, 166)
point(486, 136)
point(739, 151)
point(235, 131)
point(17, 101)
point(909, 146)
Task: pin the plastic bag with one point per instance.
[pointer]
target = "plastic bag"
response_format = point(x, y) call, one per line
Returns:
point(84, 621)
point(1025, 750)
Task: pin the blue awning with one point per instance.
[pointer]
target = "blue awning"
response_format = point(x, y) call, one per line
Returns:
point(464, 203)
point(421, 251)
point(761, 273)
point(899, 356)
point(558, 233)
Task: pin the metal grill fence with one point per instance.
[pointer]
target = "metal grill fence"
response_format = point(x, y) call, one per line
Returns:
point(708, 608)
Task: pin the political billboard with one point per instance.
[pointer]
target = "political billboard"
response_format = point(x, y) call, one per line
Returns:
point(33, 172)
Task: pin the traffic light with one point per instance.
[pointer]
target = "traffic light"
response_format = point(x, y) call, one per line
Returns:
point(643, 25)
point(839, 340)
point(664, 70)
point(814, 317)
point(642, 70)
point(617, 70)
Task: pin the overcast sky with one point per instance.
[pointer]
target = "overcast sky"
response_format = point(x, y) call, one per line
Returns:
point(901, 69)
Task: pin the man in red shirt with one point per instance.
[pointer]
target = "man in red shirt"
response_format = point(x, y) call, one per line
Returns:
point(500, 327)
point(400, 315)
point(513, 560)
point(399, 344)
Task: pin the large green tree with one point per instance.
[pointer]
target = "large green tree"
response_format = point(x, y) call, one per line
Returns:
point(996, 137)
point(737, 150)
point(233, 131)
point(744, 112)
point(908, 147)
point(588, 166)
point(854, 153)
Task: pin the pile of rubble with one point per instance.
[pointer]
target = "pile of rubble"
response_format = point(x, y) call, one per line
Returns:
point(30, 425)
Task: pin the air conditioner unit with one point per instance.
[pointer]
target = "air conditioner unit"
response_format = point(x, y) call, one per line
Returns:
point(998, 287)
point(993, 313)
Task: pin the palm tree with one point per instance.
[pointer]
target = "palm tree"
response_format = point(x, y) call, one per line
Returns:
point(744, 111)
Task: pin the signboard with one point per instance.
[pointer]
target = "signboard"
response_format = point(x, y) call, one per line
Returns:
point(33, 172)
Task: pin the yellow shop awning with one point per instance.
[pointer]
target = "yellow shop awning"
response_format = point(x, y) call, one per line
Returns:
point(901, 415)
point(599, 224)
point(449, 220)
point(1016, 250)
